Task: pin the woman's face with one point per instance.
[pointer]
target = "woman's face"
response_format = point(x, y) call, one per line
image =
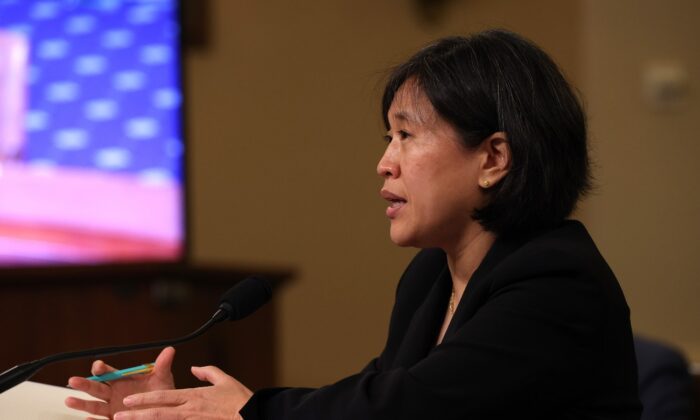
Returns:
point(430, 178)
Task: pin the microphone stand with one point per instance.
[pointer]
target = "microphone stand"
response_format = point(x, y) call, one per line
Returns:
point(20, 373)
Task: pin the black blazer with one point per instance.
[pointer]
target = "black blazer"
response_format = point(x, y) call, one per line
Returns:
point(542, 332)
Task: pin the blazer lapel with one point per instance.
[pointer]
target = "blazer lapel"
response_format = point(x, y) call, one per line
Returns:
point(478, 288)
point(424, 327)
point(423, 330)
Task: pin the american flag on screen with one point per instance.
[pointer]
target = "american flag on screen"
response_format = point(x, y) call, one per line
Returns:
point(103, 84)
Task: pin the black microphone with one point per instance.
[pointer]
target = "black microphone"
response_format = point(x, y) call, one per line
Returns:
point(238, 302)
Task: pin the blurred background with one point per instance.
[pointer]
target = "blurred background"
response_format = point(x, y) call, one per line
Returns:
point(284, 134)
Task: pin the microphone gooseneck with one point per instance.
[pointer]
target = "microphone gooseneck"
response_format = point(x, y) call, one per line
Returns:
point(237, 303)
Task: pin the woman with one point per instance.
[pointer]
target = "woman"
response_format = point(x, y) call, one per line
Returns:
point(509, 311)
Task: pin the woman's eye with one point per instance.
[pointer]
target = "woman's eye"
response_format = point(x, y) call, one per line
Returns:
point(401, 135)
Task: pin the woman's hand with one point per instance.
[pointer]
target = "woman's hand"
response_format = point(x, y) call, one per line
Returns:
point(113, 393)
point(222, 400)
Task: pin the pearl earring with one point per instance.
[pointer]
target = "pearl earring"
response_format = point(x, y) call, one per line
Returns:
point(487, 183)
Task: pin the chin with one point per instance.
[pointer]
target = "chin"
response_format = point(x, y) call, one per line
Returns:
point(402, 239)
point(400, 243)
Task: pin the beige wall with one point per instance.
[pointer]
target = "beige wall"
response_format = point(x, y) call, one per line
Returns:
point(285, 135)
point(645, 213)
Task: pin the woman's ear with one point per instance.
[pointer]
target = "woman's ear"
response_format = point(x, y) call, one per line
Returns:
point(496, 159)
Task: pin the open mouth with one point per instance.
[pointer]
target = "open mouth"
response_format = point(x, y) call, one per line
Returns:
point(396, 203)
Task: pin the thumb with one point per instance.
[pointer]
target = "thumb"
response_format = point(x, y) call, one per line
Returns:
point(211, 374)
point(99, 367)
point(164, 362)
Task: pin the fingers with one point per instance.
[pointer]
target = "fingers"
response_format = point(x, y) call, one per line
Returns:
point(99, 368)
point(157, 398)
point(211, 374)
point(150, 414)
point(94, 388)
point(93, 407)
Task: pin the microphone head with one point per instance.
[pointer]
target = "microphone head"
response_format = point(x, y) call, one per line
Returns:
point(245, 298)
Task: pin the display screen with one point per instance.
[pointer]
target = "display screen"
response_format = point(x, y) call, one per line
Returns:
point(91, 142)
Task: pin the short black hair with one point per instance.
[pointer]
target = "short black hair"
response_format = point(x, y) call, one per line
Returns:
point(496, 81)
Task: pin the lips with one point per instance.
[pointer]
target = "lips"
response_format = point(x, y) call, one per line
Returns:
point(396, 203)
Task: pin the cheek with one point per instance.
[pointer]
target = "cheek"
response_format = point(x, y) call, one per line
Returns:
point(445, 196)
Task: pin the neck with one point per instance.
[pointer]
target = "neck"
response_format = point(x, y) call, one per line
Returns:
point(465, 257)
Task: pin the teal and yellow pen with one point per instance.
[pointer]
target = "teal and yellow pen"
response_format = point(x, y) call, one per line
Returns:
point(124, 373)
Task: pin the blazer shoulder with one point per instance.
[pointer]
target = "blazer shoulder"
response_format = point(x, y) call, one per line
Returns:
point(567, 249)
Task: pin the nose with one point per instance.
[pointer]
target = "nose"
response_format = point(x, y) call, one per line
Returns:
point(388, 166)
